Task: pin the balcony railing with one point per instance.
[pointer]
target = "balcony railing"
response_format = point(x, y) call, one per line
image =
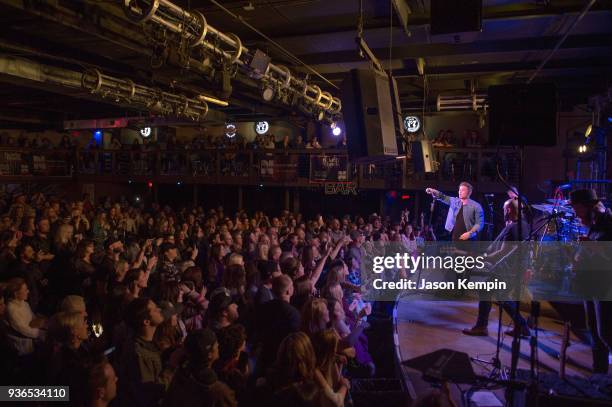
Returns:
point(282, 167)
point(15, 162)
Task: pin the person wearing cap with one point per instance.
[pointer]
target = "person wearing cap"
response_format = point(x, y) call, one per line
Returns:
point(169, 334)
point(222, 310)
point(594, 215)
point(196, 383)
point(465, 217)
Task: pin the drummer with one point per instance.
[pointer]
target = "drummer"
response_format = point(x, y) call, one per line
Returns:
point(594, 215)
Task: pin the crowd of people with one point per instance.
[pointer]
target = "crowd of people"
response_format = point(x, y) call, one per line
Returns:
point(147, 304)
point(35, 142)
point(171, 142)
point(206, 142)
point(447, 138)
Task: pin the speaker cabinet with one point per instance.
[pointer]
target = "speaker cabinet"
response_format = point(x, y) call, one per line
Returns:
point(523, 115)
point(422, 156)
point(367, 108)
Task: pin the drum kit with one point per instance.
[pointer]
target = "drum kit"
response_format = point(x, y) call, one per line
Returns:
point(561, 223)
point(556, 223)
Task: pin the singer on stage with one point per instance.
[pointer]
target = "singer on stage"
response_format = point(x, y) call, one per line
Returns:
point(465, 217)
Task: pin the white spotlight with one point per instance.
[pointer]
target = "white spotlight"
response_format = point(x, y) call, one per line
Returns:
point(337, 131)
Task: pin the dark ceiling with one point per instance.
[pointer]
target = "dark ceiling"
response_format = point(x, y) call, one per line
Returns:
point(516, 36)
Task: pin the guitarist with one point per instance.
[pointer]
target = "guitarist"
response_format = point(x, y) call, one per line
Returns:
point(500, 247)
point(594, 215)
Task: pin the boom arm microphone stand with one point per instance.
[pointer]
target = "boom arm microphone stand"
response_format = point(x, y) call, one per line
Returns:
point(516, 339)
point(496, 361)
point(431, 212)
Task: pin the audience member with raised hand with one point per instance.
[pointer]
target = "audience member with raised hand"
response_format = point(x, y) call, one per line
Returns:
point(148, 278)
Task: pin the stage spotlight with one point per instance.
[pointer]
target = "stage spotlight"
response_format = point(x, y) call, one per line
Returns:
point(337, 131)
point(129, 181)
point(145, 132)
point(150, 184)
point(179, 183)
point(610, 119)
point(582, 149)
point(137, 199)
point(98, 137)
point(588, 131)
point(267, 93)
point(230, 130)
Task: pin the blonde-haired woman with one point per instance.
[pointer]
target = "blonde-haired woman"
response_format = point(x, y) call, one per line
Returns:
point(327, 374)
point(64, 239)
point(315, 316)
point(295, 372)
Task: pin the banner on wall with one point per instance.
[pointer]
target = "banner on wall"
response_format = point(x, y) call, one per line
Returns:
point(329, 168)
point(279, 168)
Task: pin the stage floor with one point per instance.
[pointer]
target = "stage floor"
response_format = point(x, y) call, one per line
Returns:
point(424, 326)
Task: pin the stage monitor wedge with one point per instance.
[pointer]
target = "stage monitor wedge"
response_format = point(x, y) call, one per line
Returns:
point(367, 109)
point(448, 17)
point(523, 115)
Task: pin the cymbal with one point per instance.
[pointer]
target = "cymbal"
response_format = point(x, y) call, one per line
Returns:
point(562, 202)
point(549, 208)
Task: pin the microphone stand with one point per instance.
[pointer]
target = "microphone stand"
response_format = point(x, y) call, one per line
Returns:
point(491, 222)
point(516, 340)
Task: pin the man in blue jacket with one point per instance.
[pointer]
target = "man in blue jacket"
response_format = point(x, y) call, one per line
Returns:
point(465, 217)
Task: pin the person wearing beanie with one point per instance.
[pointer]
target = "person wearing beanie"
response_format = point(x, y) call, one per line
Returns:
point(222, 310)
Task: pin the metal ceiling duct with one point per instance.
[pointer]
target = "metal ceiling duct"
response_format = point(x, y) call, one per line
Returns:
point(191, 27)
point(461, 102)
point(154, 100)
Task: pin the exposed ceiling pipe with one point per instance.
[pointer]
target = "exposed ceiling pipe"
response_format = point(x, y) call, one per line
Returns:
point(193, 27)
point(122, 92)
point(562, 39)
